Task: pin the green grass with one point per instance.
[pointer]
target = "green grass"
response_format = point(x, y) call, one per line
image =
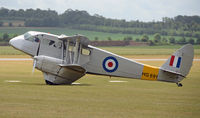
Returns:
point(148, 50)
point(90, 34)
point(95, 97)
point(8, 50)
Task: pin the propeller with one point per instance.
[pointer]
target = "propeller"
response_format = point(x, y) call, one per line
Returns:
point(34, 64)
point(37, 53)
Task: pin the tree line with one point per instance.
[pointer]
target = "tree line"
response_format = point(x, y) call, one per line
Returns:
point(184, 26)
point(157, 39)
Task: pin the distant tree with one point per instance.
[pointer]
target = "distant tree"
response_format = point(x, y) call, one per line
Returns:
point(109, 38)
point(191, 41)
point(10, 24)
point(145, 38)
point(182, 40)
point(151, 43)
point(128, 38)
point(172, 40)
point(15, 35)
point(4, 12)
point(5, 36)
point(196, 34)
point(137, 40)
point(1, 23)
point(164, 40)
point(96, 38)
point(198, 41)
point(157, 38)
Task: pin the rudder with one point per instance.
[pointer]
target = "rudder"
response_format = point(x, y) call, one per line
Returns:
point(180, 62)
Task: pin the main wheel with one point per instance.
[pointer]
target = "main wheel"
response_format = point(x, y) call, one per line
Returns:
point(179, 84)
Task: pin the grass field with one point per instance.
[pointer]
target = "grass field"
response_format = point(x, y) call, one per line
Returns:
point(90, 34)
point(148, 50)
point(95, 97)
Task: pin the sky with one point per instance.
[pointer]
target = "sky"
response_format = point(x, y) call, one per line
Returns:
point(142, 10)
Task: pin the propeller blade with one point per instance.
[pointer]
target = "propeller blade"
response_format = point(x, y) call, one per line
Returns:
point(34, 64)
point(37, 53)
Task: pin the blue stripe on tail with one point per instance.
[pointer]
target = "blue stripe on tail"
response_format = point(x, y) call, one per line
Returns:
point(179, 62)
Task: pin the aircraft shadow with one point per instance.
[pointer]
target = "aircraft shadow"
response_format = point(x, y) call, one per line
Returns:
point(44, 84)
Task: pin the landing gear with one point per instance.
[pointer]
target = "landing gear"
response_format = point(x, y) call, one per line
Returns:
point(179, 84)
point(50, 83)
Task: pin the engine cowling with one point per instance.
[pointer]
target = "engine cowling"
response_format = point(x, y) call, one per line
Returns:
point(48, 64)
point(54, 71)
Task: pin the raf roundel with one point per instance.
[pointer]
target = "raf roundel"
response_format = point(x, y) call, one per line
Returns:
point(110, 64)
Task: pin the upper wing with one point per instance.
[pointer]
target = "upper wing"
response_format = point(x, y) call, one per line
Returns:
point(73, 39)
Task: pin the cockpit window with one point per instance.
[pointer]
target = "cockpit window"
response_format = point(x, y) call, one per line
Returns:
point(29, 37)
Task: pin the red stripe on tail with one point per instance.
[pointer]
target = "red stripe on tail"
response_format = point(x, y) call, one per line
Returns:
point(172, 60)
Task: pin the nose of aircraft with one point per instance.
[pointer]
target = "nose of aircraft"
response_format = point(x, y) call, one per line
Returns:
point(11, 42)
point(16, 42)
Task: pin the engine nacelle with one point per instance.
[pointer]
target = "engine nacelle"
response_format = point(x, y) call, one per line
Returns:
point(57, 73)
point(48, 64)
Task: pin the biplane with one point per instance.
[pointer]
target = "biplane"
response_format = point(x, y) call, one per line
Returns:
point(65, 59)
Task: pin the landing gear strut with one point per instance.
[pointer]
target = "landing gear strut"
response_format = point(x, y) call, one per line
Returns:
point(179, 84)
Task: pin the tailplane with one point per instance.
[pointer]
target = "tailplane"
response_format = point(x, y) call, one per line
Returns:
point(180, 62)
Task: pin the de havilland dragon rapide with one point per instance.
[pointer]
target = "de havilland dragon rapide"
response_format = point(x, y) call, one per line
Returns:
point(65, 59)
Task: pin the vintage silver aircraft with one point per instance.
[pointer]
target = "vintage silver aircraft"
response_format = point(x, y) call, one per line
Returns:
point(64, 59)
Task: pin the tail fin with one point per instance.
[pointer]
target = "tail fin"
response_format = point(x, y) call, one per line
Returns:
point(180, 62)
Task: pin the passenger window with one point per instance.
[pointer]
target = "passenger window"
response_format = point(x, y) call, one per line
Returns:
point(51, 42)
point(85, 51)
point(71, 48)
